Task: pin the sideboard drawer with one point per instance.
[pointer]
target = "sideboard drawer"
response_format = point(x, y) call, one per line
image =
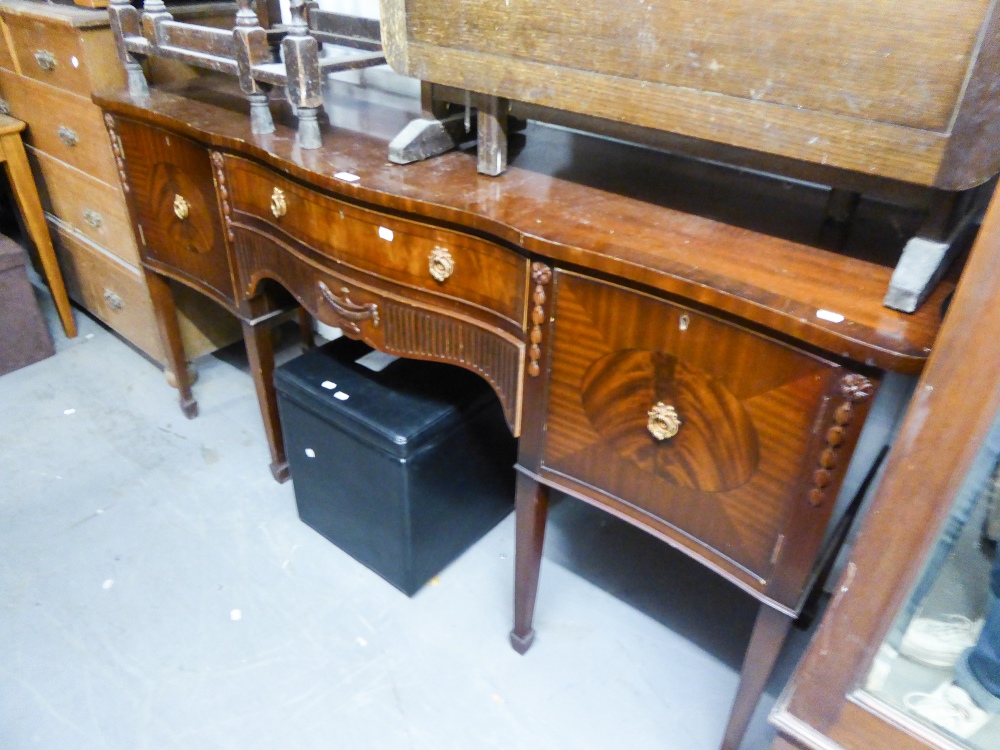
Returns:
point(94, 209)
point(447, 263)
point(694, 423)
point(171, 182)
point(62, 125)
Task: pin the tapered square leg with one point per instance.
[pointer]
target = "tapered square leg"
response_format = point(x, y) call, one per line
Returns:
point(260, 352)
point(165, 311)
point(769, 632)
point(532, 508)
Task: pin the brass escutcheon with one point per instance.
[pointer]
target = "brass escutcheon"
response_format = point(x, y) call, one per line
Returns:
point(45, 59)
point(279, 207)
point(441, 264)
point(663, 421)
point(181, 207)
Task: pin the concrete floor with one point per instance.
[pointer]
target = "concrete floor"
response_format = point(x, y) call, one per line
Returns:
point(159, 591)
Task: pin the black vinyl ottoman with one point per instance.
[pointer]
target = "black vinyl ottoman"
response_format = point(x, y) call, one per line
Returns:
point(404, 469)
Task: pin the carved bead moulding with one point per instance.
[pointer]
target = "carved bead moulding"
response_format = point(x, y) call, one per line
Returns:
point(541, 274)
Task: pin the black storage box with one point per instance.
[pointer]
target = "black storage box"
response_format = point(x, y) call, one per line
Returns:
point(404, 469)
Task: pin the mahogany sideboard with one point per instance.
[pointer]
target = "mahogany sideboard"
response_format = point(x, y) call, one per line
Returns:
point(664, 339)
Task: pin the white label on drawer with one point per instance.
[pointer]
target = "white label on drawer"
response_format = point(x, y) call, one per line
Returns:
point(347, 177)
point(376, 361)
point(385, 233)
point(329, 385)
point(311, 453)
point(831, 316)
point(341, 396)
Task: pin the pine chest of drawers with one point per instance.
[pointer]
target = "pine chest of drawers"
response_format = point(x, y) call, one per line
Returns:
point(51, 58)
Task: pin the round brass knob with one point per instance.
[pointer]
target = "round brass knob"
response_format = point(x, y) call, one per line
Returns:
point(279, 207)
point(441, 264)
point(663, 421)
point(181, 207)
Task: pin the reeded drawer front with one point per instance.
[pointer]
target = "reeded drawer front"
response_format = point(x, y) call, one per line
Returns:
point(358, 304)
point(172, 189)
point(447, 263)
point(92, 208)
point(709, 428)
point(61, 124)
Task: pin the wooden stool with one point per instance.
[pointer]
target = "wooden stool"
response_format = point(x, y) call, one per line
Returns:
point(23, 185)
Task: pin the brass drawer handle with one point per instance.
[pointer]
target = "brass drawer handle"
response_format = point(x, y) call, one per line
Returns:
point(68, 136)
point(4, 107)
point(113, 301)
point(279, 207)
point(350, 313)
point(441, 264)
point(663, 421)
point(181, 207)
point(93, 219)
point(46, 60)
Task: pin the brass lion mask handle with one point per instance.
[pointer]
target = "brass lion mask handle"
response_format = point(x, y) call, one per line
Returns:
point(440, 264)
point(663, 421)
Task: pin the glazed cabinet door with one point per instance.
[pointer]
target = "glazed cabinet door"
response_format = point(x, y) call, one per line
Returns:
point(719, 439)
point(170, 185)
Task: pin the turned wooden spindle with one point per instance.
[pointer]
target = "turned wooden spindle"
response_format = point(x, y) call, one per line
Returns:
point(304, 82)
point(252, 49)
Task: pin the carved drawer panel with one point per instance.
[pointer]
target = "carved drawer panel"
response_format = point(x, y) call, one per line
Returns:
point(62, 55)
point(436, 260)
point(92, 208)
point(171, 184)
point(365, 307)
point(716, 436)
point(63, 125)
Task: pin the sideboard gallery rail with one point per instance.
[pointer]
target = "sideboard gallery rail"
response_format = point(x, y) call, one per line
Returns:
point(297, 56)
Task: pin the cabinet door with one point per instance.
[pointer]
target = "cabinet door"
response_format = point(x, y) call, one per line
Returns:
point(171, 188)
point(728, 441)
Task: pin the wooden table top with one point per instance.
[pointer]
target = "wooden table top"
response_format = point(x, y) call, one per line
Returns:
point(738, 244)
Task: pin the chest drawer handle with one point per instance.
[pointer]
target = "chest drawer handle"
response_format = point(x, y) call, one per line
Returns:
point(4, 107)
point(441, 264)
point(663, 421)
point(350, 313)
point(45, 59)
point(181, 207)
point(68, 136)
point(92, 218)
point(113, 301)
point(279, 207)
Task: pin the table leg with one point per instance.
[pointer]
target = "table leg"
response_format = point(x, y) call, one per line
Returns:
point(306, 330)
point(25, 194)
point(769, 632)
point(165, 312)
point(532, 507)
point(260, 351)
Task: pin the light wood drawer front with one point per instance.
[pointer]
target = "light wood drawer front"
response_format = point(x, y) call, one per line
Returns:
point(752, 415)
point(91, 207)
point(78, 60)
point(112, 291)
point(63, 125)
point(468, 269)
